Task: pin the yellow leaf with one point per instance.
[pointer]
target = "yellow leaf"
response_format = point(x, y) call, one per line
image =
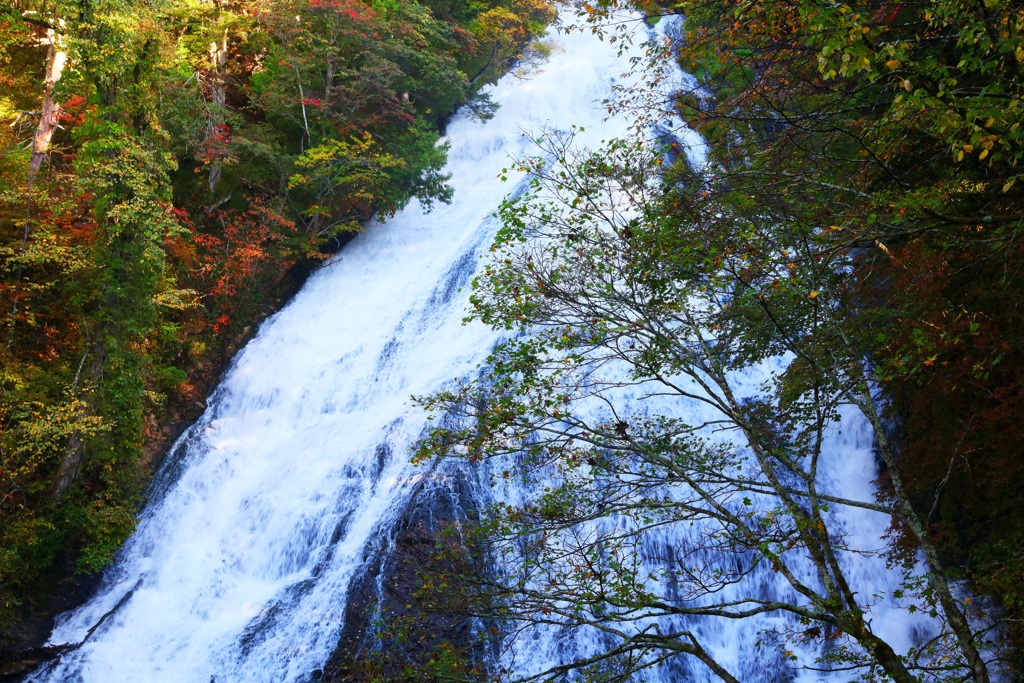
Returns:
point(813, 294)
point(968, 148)
point(893, 63)
point(984, 153)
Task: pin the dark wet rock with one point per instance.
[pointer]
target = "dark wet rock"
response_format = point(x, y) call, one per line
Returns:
point(23, 647)
point(393, 629)
point(18, 664)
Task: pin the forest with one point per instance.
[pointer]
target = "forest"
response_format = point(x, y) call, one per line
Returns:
point(170, 172)
point(173, 169)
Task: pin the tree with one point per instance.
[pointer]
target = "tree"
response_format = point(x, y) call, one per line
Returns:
point(354, 81)
point(503, 32)
point(882, 120)
point(623, 282)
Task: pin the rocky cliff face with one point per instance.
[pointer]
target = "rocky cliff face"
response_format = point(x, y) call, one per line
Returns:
point(406, 617)
point(25, 647)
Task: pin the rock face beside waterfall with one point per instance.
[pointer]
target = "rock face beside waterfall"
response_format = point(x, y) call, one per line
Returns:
point(28, 648)
point(389, 625)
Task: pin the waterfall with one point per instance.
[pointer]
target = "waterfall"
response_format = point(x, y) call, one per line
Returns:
point(263, 513)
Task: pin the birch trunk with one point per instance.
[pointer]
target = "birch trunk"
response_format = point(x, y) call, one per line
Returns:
point(56, 59)
point(218, 99)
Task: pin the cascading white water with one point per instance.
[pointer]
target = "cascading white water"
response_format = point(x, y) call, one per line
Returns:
point(261, 517)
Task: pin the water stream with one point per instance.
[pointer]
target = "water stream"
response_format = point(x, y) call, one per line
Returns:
point(261, 517)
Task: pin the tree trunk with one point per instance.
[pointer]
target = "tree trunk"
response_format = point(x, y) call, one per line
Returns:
point(56, 59)
point(958, 621)
point(74, 455)
point(218, 100)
